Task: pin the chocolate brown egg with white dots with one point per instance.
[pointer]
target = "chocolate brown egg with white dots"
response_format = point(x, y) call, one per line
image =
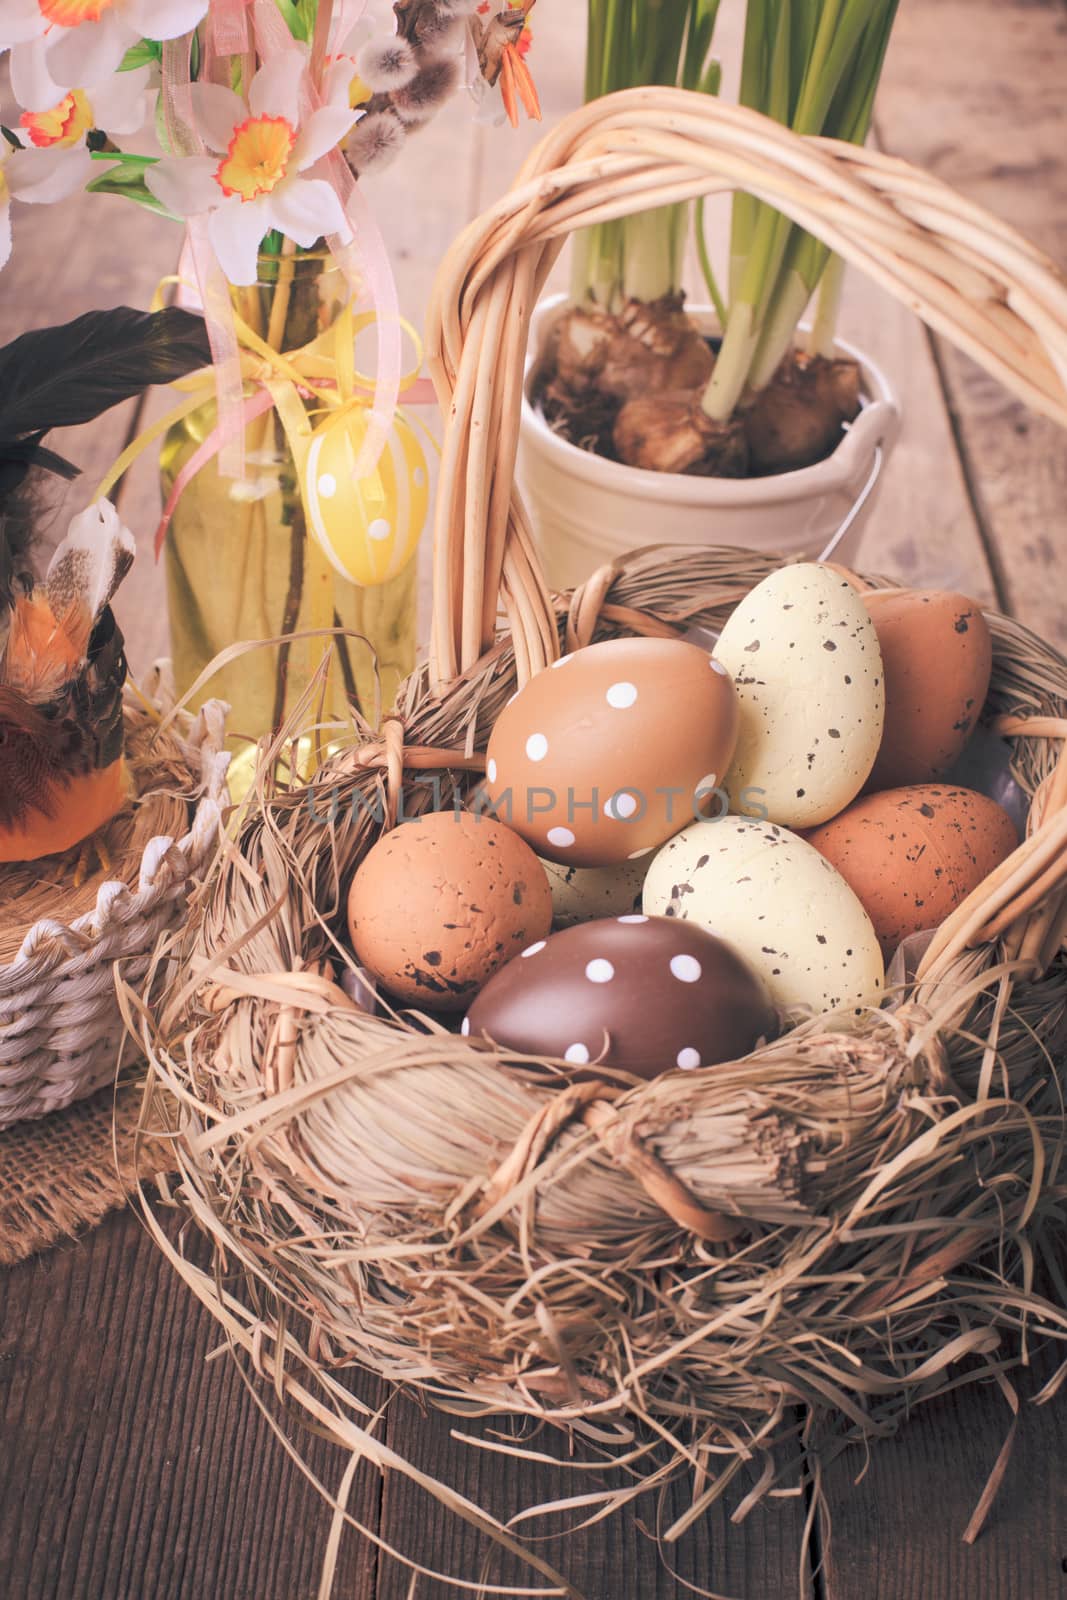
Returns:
point(637, 994)
point(612, 749)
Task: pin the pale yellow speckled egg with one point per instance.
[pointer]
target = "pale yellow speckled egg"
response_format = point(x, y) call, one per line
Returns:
point(781, 906)
point(582, 894)
point(804, 656)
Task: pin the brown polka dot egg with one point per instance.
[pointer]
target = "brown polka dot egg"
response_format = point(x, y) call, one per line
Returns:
point(614, 748)
point(640, 994)
point(441, 902)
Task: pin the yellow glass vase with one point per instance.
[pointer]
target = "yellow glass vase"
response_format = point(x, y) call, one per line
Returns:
point(239, 562)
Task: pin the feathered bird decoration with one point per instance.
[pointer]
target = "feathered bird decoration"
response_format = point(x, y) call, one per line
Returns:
point(62, 773)
point(62, 666)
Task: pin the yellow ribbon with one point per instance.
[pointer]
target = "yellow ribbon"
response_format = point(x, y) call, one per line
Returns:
point(325, 368)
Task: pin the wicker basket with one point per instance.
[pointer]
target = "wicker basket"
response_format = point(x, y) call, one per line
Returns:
point(385, 1194)
point(61, 934)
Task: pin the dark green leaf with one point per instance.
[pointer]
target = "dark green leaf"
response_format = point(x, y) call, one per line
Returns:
point(125, 158)
point(141, 54)
point(293, 20)
point(127, 179)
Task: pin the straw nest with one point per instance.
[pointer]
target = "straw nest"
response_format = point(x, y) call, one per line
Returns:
point(383, 1193)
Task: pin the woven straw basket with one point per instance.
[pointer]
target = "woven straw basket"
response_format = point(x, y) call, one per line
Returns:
point(383, 1193)
point(60, 1023)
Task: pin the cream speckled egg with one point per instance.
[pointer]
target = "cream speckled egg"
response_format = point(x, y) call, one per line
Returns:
point(581, 894)
point(804, 656)
point(781, 906)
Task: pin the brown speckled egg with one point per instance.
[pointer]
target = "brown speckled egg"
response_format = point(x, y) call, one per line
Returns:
point(913, 855)
point(612, 749)
point(438, 904)
point(938, 655)
point(640, 994)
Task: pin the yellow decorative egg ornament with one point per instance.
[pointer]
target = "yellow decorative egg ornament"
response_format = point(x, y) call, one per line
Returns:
point(368, 527)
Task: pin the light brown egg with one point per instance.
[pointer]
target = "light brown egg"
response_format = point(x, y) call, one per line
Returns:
point(938, 656)
point(438, 904)
point(614, 748)
point(913, 855)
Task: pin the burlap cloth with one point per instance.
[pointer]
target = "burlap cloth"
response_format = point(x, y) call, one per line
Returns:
point(63, 1173)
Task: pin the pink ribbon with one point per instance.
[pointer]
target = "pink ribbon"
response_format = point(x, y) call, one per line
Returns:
point(368, 249)
point(419, 393)
point(176, 73)
point(236, 421)
point(229, 27)
point(225, 351)
point(272, 31)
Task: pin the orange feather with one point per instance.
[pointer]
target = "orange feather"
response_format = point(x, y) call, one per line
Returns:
point(43, 650)
point(76, 810)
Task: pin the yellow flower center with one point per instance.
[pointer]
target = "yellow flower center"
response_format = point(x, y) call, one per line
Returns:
point(66, 124)
point(69, 13)
point(3, 187)
point(257, 158)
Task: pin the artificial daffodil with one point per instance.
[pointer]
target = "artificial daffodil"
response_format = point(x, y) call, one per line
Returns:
point(256, 179)
point(58, 44)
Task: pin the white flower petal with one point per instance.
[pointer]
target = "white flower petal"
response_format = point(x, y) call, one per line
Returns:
point(184, 184)
point(21, 20)
point(306, 209)
point(337, 81)
point(32, 84)
point(5, 234)
point(236, 230)
point(364, 28)
point(217, 111)
point(275, 89)
point(121, 104)
point(323, 130)
point(165, 19)
point(40, 177)
point(84, 56)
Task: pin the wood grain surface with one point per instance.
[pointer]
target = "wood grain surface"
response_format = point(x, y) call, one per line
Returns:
point(974, 91)
point(132, 1467)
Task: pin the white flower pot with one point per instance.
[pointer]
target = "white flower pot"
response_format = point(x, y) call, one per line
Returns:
point(588, 511)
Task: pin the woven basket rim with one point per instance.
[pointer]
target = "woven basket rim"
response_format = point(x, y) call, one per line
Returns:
point(968, 275)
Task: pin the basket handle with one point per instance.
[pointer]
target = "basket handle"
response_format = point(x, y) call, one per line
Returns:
point(967, 274)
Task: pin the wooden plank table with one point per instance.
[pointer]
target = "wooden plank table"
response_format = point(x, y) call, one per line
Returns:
point(131, 1466)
